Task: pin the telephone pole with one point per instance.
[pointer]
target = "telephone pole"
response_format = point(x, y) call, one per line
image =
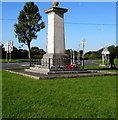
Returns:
point(83, 45)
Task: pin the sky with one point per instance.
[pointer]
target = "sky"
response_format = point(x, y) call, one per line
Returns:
point(95, 22)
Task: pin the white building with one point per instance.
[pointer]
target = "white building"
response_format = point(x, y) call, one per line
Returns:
point(105, 56)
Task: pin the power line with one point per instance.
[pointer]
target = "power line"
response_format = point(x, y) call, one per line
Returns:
point(90, 23)
point(103, 24)
point(8, 19)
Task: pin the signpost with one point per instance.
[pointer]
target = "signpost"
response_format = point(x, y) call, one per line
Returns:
point(8, 49)
point(71, 55)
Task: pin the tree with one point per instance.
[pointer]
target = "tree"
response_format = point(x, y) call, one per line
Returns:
point(28, 25)
point(37, 53)
point(34, 50)
point(112, 49)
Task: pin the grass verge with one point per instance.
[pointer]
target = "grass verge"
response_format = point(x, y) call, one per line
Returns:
point(19, 60)
point(95, 67)
point(115, 61)
point(89, 97)
point(101, 68)
point(114, 71)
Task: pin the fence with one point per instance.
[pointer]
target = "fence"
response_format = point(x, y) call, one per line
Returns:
point(55, 63)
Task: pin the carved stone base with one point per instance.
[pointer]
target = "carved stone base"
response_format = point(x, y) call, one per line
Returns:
point(55, 60)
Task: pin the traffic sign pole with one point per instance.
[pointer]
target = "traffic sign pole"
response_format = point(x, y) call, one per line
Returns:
point(8, 49)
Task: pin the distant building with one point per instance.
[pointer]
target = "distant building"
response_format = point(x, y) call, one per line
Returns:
point(105, 56)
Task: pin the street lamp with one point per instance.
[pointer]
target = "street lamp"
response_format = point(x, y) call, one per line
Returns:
point(83, 45)
point(73, 57)
point(79, 54)
point(102, 34)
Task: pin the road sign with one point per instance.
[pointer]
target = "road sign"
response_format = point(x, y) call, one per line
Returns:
point(8, 46)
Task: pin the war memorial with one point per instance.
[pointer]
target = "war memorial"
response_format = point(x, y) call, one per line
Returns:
point(55, 59)
point(37, 92)
point(55, 63)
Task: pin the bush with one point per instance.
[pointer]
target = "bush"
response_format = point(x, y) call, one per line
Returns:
point(36, 56)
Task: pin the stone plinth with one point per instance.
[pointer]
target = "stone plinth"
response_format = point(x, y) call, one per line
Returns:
point(56, 59)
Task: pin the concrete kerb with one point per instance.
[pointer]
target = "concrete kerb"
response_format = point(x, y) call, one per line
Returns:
point(55, 76)
point(27, 75)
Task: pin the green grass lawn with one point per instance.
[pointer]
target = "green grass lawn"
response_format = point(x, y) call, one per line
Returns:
point(18, 60)
point(86, 97)
point(101, 68)
point(114, 71)
point(88, 67)
point(0, 93)
point(115, 61)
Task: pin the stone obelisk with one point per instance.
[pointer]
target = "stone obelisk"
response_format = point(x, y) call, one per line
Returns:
point(56, 37)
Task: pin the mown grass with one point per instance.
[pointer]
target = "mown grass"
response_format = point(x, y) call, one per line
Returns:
point(18, 60)
point(114, 71)
point(95, 67)
point(0, 93)
point(99, 62)
point(115, 61)
point(101, 68)
point(86, 97)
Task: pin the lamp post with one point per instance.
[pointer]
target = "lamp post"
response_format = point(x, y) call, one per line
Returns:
point(83, 45)
point(102, 38)
point(73, 57)
point(79, 53)
point(102, 35)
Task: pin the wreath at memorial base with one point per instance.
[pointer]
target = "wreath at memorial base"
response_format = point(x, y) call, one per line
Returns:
point(70, 66)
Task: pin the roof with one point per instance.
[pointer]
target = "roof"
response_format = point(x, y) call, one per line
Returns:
point(105, 51)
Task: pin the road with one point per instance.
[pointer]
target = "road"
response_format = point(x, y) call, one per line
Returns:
point(91, 62)
point(26, 64)
point(13, 65)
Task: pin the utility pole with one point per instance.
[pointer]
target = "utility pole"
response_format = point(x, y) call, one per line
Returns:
point(102, 36)
point(83, 45)
point(79, 53)
point(102, 41)
point(73, 57)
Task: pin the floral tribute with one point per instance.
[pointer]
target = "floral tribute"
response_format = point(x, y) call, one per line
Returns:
point(70, 66)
